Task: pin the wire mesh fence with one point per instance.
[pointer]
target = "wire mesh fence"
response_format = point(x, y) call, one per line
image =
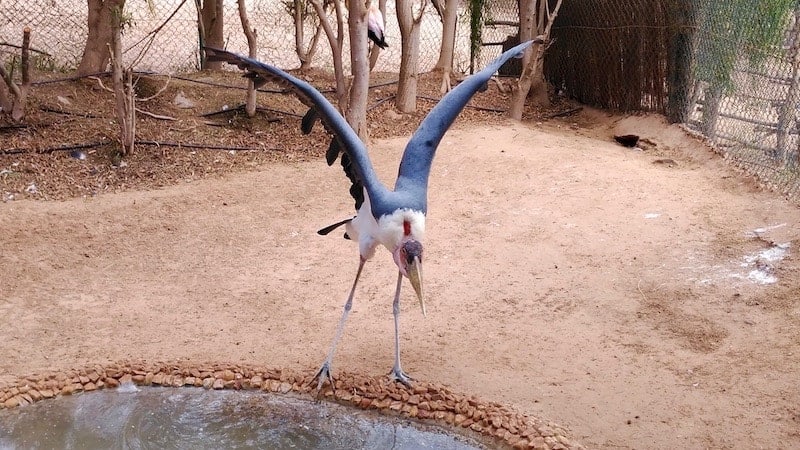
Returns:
point(728, 70)
point(744, 92)
point(60, 30)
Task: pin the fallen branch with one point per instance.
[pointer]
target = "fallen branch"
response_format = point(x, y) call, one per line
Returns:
point(67, 113)
point(381, 101)
point(479, 108)
point(568, 112)
point(154, 116)
point(163, 88)
point(241, 108)
point(201, 146)
point(19, 47)
point(60, 148)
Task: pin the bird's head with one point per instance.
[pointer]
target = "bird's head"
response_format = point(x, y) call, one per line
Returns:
point(408, 257)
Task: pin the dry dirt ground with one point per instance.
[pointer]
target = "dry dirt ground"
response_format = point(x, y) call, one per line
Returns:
point(640, 298)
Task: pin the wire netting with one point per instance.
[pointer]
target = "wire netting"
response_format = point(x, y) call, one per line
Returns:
point(60, 30)
point(727, 70)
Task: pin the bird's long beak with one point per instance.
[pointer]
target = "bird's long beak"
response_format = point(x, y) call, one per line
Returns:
point(414, 272)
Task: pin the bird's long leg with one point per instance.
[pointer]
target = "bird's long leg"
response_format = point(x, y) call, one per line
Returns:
point(324, 372)
point(397, 373)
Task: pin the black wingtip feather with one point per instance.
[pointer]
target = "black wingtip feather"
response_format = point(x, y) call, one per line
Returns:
point(333, 152)
point(307, 124)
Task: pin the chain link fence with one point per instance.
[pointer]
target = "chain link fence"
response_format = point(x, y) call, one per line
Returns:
point(169, 34)
point(728, 70)
point(744, 95)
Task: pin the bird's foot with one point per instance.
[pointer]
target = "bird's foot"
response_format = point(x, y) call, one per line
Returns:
point(324, 373)
point(398, 375)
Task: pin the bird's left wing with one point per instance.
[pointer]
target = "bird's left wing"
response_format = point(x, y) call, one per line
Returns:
point(344, 137)
point(418, 156)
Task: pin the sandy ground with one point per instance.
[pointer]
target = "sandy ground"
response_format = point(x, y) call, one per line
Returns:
point(623, 294)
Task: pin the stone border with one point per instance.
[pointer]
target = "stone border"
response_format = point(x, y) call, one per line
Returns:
point(426, 402)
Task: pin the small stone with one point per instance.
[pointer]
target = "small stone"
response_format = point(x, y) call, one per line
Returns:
point(47, 393)
point(392, 115)
point(177, 382)
point(183, 102)
point(537, 443)
point(138, 379)
point(148, 378)
point(284, 388)
point(413, 399)
point(218, 384)
point(546, 431)
point(13, 402)
point(93, 376)
point(189, 381)
point(111, 382)
point(127, 378)
point(35, 395)
point(228, 375)
point(158, 379)
point(208, 382)
point(83, 379)
point(88, 387)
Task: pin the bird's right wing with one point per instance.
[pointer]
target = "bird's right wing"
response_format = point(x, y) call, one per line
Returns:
point(355, 161)
point(418, 156)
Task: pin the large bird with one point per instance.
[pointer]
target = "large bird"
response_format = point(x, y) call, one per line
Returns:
point(375, 26)
point(394, 218)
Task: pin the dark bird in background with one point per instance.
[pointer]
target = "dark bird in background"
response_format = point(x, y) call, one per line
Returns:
point(393, 218)
point(375, 26)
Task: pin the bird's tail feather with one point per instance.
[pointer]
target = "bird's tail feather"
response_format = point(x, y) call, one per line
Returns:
point(336, 225)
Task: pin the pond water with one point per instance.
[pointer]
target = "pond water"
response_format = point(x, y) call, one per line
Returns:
point(162, 418)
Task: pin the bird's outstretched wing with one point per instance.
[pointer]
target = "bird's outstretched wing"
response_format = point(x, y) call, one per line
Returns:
point(416, 163)
point(355, 159)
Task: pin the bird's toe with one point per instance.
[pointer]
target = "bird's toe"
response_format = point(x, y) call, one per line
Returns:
point(324, 373)
point(398, 375)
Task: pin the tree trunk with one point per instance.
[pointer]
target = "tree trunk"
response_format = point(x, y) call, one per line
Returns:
point(445, 62)
point(356, 113)
point(711, 104)
point(299, 10)
point(211, 15)
point(125, 105)
point(536, 22)
point(96, 53)
point(250, 34)
point(406, 100)
point(680, 60)
point(336, 41)
point(14, 97)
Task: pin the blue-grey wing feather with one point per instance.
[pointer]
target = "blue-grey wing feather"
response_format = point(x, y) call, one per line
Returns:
point(416, 163)
point(357, 166)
